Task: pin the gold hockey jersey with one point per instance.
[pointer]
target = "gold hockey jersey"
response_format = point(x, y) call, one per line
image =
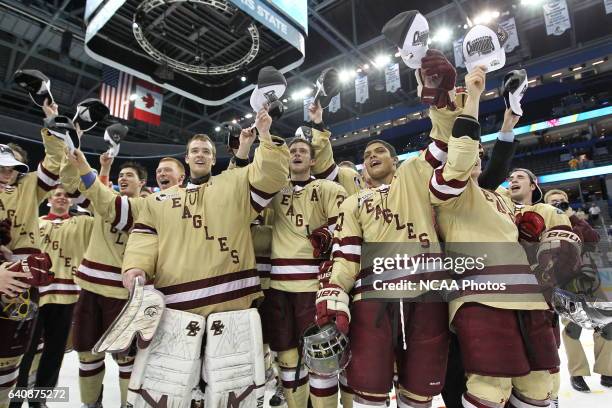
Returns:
point(65, 240)
point(196, 243)
point(19, 203)
point(261, 233)
point(326, 168)
point(479, 224)
point(392, 217)
point(299, 208)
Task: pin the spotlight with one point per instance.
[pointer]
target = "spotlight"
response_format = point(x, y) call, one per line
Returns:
point(346, 75)
point(248, 115)
point(218, 129)
point(382, 61)
point(243, 78)
point(301, 94)
point(443, 35)
point(486, 17)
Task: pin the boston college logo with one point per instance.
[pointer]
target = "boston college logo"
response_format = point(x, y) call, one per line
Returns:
point(481, 45)
point(217, 327)
point(193, 327)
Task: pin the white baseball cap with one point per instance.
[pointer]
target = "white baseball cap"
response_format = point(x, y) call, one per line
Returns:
point(483, 45)
point(409, 31)
point(514, 87)
point(271, 85)
point(7, 159)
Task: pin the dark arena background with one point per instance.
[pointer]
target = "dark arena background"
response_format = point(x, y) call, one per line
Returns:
point(169, 69)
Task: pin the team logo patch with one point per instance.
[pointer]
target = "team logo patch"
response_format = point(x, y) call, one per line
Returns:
point(193, 328)
point(151, 311)
point(164, 196)
point(217, 327)
point(420, 38)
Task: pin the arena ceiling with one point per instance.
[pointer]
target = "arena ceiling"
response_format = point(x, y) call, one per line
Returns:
point(342, 34)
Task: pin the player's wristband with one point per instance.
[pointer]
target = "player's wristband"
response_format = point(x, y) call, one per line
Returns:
point(506, 136)
point(88, 179)
point(241, 162)
point(319, 126)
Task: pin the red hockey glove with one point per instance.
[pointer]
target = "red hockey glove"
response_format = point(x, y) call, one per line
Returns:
point(325, 270)
point(38, 266)
point(332, 306)
point(530, 225)
point(436, 80)
point(558, 258)
point(321, 241)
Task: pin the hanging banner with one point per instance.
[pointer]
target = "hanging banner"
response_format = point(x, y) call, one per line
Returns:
point(556, 17)
point(392, 78)
point(309, 100)
point(361, 89)
point(608, 5)
point(458, 51)
point(509, 26)
point(334, 104)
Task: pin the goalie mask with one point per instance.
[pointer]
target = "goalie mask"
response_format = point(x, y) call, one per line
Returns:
point(36, 84)
point(113, 135)
point(514, 87)
point(89, 112)
point(409, 32)
point(271, 85)
point(326, 350)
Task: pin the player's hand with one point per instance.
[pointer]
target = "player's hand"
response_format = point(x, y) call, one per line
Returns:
point(50, 108)
point(247, 137)
point(129, 277)
point(321, 241)
point(77, 160)
point(475, 81)
point(510, 121)
point(530, 225)
point(315, 113)
point(106, 160)
point(10, 284)
point(263, 122)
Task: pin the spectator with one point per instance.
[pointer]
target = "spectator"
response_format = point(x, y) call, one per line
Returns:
point(581, 214)
point(573, 163)
point(594, 212)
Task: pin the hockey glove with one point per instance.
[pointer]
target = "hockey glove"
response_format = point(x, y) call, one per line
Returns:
point(325, 270)
point(321, 241)
point(558, 258)
point(436, 80)
point(37, 265)
point(332, 306)
point(530, 225)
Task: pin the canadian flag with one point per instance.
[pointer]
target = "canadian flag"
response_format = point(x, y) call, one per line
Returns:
point(148, 103)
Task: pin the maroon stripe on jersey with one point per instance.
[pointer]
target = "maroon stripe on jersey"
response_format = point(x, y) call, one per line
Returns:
point(454, 183)
point(352, 240)
point(325, 174)
point(331, 220)
point(102, 267)
point(262, 194)
point(130, 218)
point(117, 211)
point(293, 276)
point(215, 299)
point(99, 281)
point(348, 257)
point(145, 229)
point(74, 194)
point(474, 401)
point(26, 251)
point(256, 206)
point(44, 185)
point(264, 274)
point(61, 280)
point(205, 283)
point(48, 173)
point(91, 373)
point(8, 371)
point(429, 158)
point(440, 195)
point(345, 388)
point(262, 259)
point(293, 261)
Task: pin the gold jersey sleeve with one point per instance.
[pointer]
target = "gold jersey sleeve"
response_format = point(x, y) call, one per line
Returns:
point(298, 210)
point(326, 168)
point(346, 249)
point(65, 241)
point(451, 178)
point(196, 243)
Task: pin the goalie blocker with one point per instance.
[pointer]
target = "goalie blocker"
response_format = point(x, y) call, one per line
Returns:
point(169, 364)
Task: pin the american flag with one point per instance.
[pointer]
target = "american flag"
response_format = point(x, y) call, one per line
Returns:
point(115, 91)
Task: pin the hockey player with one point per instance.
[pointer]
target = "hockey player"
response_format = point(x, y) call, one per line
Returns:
point(325, 167)
point(211, 270)
point(396, 211)
point(509, 372)
point(577, 362)
point(306, 208)
point(20, 194)
point(102, 295)
point(65, 239)
point(170, 172)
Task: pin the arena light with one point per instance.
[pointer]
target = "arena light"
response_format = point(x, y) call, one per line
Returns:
point(346, 75)
point(531, 3)
point(397, 54)
point(243, 78)
point(443, 35)
point(218, 129)
point(556, 74)
point(366, 67)
point(234, 121)
point(301, 94)
point(248, 115)
point(486, 17)
point(598, 62)
point(382, 60)
point(574, 69)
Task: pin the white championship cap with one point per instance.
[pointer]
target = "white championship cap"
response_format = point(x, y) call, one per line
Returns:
point(484, 46)
point(409, 31)
point(514, 87)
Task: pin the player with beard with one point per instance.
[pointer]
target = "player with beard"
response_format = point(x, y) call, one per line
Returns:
point(397, 210)
point(305, 211)
point(21, 192)
point(65, 239)
point(468, 217)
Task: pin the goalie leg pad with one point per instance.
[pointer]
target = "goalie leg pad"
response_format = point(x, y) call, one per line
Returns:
point(168, 369)
point(234, 368)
